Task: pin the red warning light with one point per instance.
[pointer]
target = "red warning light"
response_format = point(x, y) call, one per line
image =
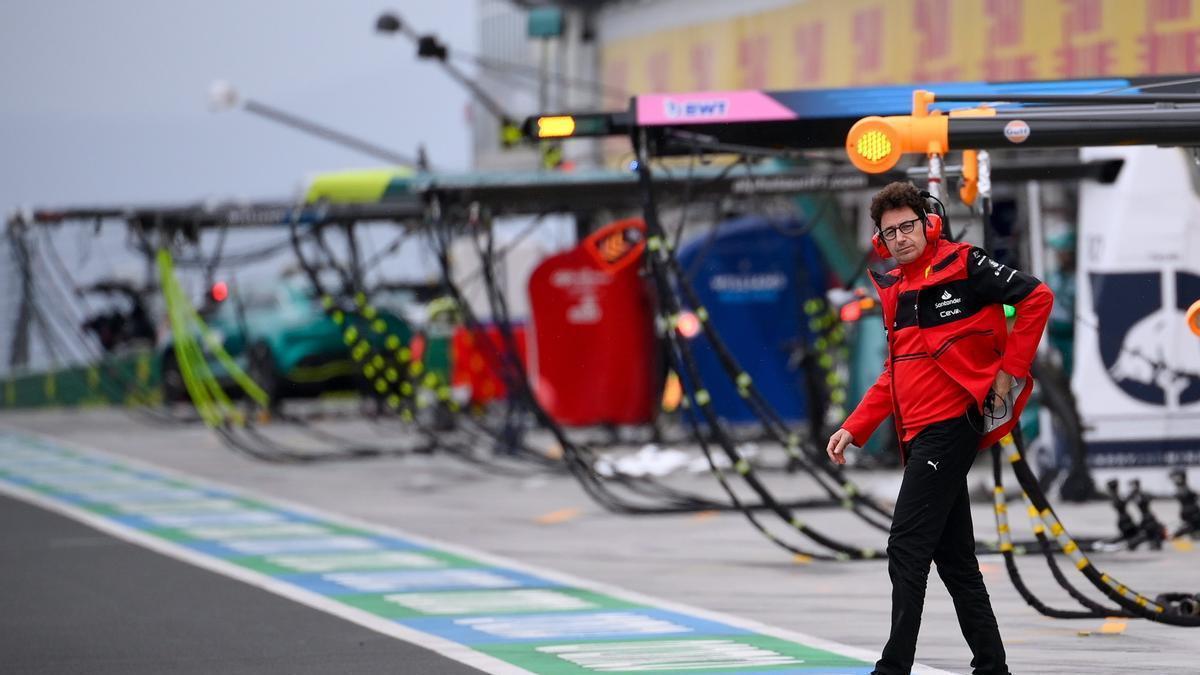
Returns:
point(851, 312)
point(219, 291)
point(688, 325)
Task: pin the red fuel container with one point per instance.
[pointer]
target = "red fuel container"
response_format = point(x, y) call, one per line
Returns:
point(593, 355)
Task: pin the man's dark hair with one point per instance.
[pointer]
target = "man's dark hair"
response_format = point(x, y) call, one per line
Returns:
point(895, 196)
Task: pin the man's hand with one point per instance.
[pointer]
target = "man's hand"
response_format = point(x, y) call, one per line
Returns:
point(837, 446)
point(1002, 385)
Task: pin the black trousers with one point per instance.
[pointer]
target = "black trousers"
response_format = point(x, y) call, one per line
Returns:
point(932, 523)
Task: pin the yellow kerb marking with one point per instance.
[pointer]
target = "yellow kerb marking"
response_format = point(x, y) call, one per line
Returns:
point(1113, 627)
point(1183, 545)
point(801, 559)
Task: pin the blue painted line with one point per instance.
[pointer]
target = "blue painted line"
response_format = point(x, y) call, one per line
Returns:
point(407, 580)
point(604, 624)
point(334, 542)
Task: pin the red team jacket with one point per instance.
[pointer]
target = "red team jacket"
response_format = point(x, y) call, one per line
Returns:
point(956, 306)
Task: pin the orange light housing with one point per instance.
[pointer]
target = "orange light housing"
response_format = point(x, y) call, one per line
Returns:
point(1193, 317)
point(875, 144)
point(970, 177)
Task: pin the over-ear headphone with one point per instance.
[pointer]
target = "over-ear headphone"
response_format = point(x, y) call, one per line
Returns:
point(933, 229)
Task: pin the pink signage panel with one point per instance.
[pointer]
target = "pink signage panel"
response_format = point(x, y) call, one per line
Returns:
point(710, 107)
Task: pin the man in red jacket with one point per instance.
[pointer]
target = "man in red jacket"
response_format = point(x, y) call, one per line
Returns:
point(955, 381)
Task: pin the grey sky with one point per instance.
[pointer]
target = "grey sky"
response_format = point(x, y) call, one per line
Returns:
point(107, 101)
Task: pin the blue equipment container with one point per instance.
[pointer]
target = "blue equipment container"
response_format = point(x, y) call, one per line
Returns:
point(754, 276)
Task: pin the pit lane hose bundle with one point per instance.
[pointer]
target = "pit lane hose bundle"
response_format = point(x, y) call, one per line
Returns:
point(689, 404)
point(831, 479)
point(669, 310)
point(1176, 609)
point(395, 378)
point(213, 404)
point(820, 470)
point(685, 501)
point(580, 460)
point(1007, 549)
point(512, 370)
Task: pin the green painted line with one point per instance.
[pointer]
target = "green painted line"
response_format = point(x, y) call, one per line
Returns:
point(704, 654)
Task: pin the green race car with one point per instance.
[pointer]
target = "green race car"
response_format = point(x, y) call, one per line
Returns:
point(284, 340)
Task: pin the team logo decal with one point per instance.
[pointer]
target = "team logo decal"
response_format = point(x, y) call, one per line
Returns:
point(1140, 338)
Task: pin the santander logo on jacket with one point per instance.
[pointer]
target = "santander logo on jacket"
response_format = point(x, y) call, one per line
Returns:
point(947, 307)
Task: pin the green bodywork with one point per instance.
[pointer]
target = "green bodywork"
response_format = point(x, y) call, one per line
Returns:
point(306, 346)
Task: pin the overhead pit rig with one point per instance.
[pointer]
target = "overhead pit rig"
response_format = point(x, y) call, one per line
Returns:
point(434, 207)
point(877, 127)
point(750, 124)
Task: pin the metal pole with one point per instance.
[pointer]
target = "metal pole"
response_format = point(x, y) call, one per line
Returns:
point(324, 132)
point(983, 172)
point(1037, 243)
point(935, 176)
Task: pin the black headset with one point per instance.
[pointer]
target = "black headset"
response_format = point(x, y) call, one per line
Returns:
point(940, 210)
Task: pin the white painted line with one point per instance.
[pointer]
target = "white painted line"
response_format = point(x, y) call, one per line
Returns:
point(869, 656)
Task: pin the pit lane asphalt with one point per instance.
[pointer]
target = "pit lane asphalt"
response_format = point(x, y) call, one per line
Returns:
point(76, 600)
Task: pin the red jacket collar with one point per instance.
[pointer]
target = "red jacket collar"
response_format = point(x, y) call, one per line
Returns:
point(915, 270)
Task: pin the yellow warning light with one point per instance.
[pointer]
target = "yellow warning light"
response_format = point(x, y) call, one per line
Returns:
point(558, 126)
point(873, 145)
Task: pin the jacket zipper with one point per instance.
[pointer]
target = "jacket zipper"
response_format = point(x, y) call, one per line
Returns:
point(899, 424)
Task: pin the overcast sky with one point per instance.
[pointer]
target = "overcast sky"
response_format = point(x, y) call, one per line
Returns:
point(108, 101)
